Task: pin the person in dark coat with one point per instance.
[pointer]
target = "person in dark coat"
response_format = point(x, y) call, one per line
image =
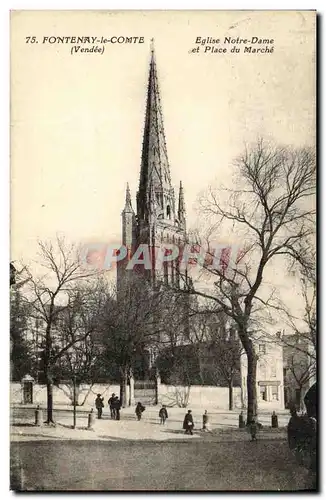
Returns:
point(111, 405)
point(99, 405)
point(139, 410)
point(163, 414)
point(310, 401)
point(205, 421)
point(116, 408)
point(188, 423)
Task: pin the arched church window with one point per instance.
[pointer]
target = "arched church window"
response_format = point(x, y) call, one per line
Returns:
point(168, 212)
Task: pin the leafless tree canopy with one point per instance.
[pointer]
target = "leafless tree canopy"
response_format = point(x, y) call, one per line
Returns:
point(271, 211)
point(55, 297)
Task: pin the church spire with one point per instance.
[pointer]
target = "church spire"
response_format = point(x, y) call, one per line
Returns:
point(128, 206)
point(181, 206)
point(128, 221)
point(155, 168)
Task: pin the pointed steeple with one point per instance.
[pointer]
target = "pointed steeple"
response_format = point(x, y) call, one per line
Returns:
point(155, 168)
point(128, 206)
point(128, 221)
point(181, 206)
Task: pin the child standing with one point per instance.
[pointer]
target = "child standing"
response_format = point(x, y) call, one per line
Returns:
point(205, 422)
point(163, 414)
point(139, 410)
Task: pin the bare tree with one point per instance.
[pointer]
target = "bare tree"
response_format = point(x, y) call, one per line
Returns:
point(132, 327)
point(304, 326)
point(225, 354)
point(177, 326)
point(49, 295)
point(78, 327)
point(79, 365)
point(21, 352)
point(270, 210)
point(18, 278)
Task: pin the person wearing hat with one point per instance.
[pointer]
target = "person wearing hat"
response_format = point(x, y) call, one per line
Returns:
point(99, 405)
point(188, 423)
point(111, 405)
point(116, 408)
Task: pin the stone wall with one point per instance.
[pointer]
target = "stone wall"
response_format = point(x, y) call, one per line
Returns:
point(195, 395)
point(63, 395)
point(212, 397)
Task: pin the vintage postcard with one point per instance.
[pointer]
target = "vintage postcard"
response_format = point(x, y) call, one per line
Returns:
point(163, 251)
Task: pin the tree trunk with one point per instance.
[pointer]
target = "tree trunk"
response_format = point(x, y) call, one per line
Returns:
point(302, 404)
point(230, 383)
point(242, 395)
point(200, 367)
point(251, 373)
point(47, 368)
point(123, 386)
point(75, 394)
point(251, 384)
point(49, 391)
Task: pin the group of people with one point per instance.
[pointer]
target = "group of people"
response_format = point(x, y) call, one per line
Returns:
point(188, 423)
point(114, 405)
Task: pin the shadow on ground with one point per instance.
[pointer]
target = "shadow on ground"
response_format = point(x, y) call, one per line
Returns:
point(138, 465)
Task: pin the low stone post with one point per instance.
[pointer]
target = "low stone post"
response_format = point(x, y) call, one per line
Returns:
point(91, 420)
point(242, 423)
point(38, 416)
point(274, 420)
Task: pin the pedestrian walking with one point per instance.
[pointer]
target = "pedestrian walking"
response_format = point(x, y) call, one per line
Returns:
point(116, 408)
point(163, 415)
point(111, 405)
point(188, 423)
point(139, 410)
point(205, 422)
point(99, 405)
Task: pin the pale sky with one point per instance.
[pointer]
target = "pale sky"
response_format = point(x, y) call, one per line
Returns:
point(77, 120)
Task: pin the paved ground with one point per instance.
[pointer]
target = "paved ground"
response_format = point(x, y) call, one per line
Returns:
point(131, 455)
point(219, 419)
point(133, 465)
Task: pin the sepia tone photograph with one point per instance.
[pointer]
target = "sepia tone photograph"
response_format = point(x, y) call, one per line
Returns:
point(163, 251)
